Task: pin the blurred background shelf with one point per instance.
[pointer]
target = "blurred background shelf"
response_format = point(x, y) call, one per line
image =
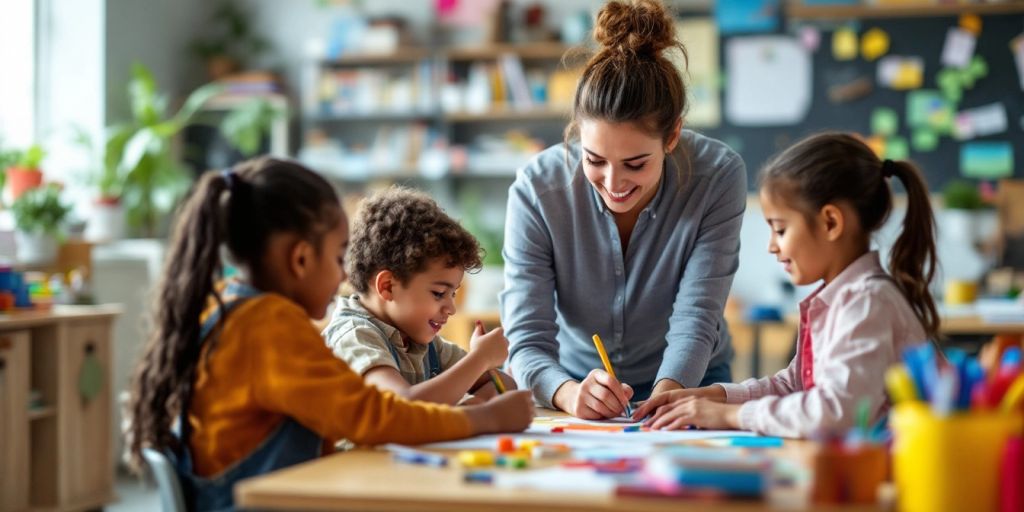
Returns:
point(801, 10)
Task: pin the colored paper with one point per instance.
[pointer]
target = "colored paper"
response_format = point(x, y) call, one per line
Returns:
point(884, 121)
point(877, 145)
point(874, 44)
point(700, 36)
point(948, 81)
point(971, 23)
point(900, 72)
point(959, 48)
point(810, 38)
point(1017, 47)
point(896, 148)
point(986, 160)
point(981, 121)
point(751, 100)
point(747, 16)
point(928, 109)
point(844, 44)
point(924, 140)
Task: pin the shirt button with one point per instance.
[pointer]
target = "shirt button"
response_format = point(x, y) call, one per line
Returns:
point(618, 271)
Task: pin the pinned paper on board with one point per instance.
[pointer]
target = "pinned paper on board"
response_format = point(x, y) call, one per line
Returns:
point(700, 36)
point(877, 145)
point(981, 121)
point(844, 44)
point(753, 101)
point(747, 16)
point(924, 140)
point(959, 48)
point(928, 109)
point(1017, 47)
point(986, 160)
point(896, 148)
point(971, 23)
point(810, 38)
point(874, 44)
point(901, 73)
point(884, 122)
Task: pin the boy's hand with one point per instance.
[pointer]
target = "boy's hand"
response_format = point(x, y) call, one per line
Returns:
point(713, 392)
point(508, 412)
point(492, 346)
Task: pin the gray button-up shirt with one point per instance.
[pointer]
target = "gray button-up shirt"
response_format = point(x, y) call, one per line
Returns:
point(658, 307)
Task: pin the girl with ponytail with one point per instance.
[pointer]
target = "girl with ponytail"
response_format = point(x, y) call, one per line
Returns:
point(823, 198)
point(235, 380)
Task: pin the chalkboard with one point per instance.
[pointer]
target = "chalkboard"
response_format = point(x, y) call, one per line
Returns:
point(923, 37)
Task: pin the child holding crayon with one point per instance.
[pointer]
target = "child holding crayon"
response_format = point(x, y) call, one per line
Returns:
point(407, 260)
point(822, 199)
point(235, 381)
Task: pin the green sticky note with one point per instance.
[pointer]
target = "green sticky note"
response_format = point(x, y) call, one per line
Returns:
point(896, 148)
point(966, 79)
point(928, 109)
point(978, 68)
point(986, 160)
point(924, 140)
point(90, 378)
point(884, 122)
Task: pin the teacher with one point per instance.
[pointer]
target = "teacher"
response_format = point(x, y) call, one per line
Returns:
point(630, 229)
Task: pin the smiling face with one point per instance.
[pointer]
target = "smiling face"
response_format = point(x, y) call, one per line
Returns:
point(420, 307)
point(623, 163)
point(801, 247)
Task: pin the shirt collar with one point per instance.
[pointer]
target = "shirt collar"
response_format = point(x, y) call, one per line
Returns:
point(352, 305)
point(863, 267)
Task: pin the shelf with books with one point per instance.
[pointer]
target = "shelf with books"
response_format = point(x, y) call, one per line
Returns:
point(530, 51)
point(801, 10)
point(541, 113)
point(364, 117)
point(404, 55)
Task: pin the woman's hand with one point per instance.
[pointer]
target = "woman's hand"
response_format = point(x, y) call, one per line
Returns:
point(697, 411)
point(713, 392)
point(599, 396)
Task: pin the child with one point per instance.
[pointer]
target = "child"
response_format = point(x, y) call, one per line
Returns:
point(239, 364)
point(822, 199)
point(406, 262)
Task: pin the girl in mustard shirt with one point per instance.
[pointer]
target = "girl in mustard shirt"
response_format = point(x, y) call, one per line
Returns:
point(235, 380)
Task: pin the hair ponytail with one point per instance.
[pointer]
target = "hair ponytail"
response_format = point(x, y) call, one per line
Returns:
point(912, 260)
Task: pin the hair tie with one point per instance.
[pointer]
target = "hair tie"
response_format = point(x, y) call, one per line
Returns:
point(229, 177)
point(888, 168)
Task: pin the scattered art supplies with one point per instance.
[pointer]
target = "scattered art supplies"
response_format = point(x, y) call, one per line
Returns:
point(730, 471)
point(951, 428)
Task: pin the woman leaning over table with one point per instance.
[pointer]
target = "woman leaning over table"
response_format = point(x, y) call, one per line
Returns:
point(630, 230)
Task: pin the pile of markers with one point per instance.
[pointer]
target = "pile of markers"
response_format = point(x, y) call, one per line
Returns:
point(957, 382)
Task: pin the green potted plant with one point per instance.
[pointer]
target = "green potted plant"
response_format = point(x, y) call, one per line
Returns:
point(26, 173)
point(39, 216)
point(229, 42)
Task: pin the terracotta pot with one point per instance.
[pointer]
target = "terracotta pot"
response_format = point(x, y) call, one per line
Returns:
point(20, 179)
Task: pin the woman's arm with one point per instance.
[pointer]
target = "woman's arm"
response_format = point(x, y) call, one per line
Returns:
point(707, 278)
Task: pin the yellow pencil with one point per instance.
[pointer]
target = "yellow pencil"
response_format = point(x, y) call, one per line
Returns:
point(497, 380)
point(608, 365)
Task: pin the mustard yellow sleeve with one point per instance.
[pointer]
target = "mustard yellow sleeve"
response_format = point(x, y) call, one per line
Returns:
point(296, 374)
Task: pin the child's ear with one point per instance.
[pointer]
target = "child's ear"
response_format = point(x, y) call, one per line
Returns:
point(384, 283)
point(301, 258)
point(833, 221)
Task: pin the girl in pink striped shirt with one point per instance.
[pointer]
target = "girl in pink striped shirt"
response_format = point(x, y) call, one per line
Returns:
point(823, 198)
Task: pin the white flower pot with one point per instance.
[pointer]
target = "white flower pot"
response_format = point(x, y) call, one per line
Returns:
point(35, 248)
point(106, 222)
point(959, 225)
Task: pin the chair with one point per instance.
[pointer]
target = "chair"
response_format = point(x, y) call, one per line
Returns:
point(171, 497)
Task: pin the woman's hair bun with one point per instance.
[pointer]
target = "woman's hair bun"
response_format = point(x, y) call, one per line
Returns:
point(640, 27)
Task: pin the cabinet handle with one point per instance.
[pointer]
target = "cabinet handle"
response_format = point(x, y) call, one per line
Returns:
point(90, 347)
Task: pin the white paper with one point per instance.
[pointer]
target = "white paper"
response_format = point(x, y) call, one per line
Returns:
point(981, 121)
point(569, 480)
point(959, 48)
point(700, 35)
point(637, 443)
point(769, 81)
point(889, 68)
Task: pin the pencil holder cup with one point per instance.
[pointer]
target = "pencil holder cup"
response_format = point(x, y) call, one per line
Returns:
point(949, 463)
point(844, 474)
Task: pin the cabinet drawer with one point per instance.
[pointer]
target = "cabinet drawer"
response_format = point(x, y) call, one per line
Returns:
point(14, 421)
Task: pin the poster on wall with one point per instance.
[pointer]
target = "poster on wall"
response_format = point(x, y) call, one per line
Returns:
point(750, 99)
point(700, 36)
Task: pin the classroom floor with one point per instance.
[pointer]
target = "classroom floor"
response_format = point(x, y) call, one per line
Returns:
point(134, 495)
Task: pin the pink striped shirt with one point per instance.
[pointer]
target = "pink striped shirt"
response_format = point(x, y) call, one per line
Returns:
point(859, 325)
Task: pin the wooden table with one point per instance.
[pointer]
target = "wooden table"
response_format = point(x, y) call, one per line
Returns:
point(368, 480)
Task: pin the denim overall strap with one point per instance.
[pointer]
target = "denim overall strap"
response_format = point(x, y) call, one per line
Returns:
point(288, 444)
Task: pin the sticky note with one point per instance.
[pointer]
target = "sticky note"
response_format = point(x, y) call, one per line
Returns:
point(874, 44)
point(877, 145)
point(1017, 47)
point(981, 121)
point(986, 160)
point(884, 122)
point(959, 48)
point(896, 148)
point(928, 109)
point(924, 140)
point(948, 81)
point(844, 44)
point(971, 23)
point(900, 72)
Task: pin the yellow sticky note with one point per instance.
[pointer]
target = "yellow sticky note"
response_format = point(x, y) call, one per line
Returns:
point(874, 44)
point(844, 44)
point(908, 77)
point(971, 23)
point(877, 144)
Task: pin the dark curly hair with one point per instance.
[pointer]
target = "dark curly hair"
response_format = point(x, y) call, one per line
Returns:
point(402, 230)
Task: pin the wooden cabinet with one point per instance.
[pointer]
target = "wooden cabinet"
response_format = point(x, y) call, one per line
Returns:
point(55, 441)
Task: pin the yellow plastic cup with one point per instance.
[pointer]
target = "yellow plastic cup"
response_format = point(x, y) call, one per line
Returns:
point(960, 292)
point(949, 463)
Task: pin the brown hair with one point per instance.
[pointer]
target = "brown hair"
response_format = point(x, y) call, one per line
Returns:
point(629, 79)
point(402, 230)
point(834, 167)
point(241, 210)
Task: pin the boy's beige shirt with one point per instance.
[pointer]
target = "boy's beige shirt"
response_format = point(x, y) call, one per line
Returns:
point(364, 342)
